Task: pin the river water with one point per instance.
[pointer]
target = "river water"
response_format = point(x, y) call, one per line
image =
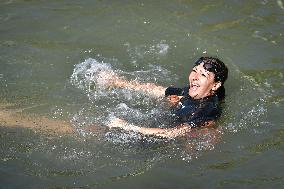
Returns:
point(51, 53)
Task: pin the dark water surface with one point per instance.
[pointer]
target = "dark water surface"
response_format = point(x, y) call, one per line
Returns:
point(51, 53)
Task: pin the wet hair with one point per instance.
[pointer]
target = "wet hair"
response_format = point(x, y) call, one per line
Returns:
point(220, 70)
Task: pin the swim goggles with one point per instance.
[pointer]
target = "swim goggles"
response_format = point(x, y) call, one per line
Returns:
point(211, 65)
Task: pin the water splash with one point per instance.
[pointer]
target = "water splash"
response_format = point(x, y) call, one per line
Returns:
point(106, 101)
point(89, 75)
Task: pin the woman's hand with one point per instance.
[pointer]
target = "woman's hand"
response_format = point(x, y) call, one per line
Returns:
point(174, 99)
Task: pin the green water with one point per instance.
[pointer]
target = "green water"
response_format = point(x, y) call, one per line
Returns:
point(42, 42)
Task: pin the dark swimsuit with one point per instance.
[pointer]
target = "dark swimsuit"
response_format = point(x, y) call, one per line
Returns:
point(194, 112)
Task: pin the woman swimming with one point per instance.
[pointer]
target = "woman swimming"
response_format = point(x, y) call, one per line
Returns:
point(197, 105)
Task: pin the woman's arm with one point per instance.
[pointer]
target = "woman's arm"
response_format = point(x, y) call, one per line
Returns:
point(180, 130)
point(149, 88)
point(167, 133)
point(114, 80)
point(174, 99)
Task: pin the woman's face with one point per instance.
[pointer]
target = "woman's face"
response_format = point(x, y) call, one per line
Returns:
point(202, 82)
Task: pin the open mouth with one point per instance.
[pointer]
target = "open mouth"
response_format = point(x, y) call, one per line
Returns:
point(194, 86)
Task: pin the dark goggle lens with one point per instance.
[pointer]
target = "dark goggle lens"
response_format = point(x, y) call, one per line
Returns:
point(212, 66)
point(208, 67)
point(199, 61)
